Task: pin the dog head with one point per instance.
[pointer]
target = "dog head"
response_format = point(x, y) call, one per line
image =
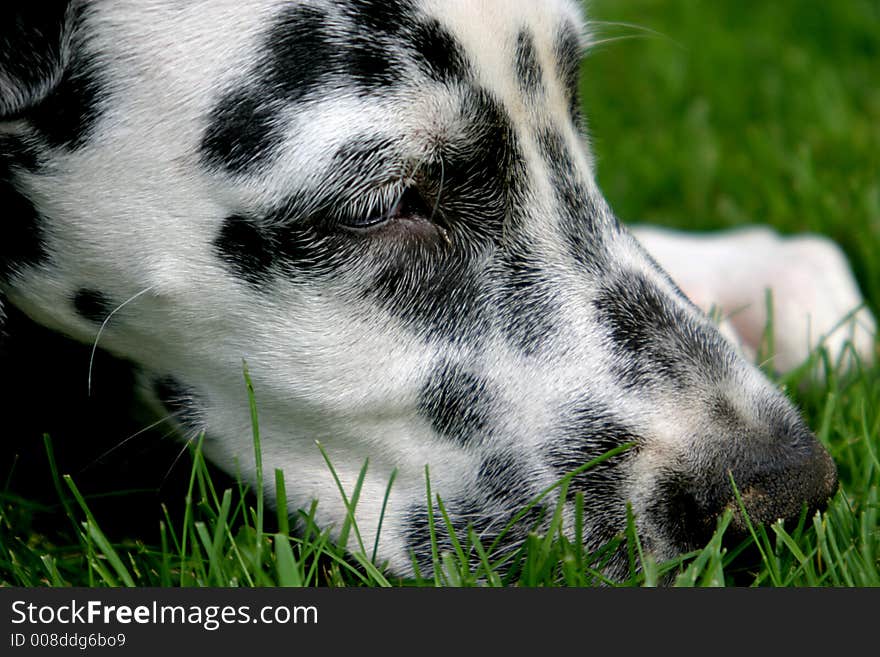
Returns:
point(388, 210)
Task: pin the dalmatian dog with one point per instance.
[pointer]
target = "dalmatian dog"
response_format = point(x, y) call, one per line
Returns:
point(388, 210)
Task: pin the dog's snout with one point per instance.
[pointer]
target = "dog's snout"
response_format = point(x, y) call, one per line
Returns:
point(805, 475)
point(759, 486)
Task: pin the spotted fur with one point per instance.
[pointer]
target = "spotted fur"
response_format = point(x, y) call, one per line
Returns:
point(387, 209)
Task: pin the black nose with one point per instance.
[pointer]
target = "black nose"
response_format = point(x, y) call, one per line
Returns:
point(775, 480)
point(806, 475)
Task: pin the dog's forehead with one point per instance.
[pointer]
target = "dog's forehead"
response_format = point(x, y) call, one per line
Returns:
point(311, 79)
point(333, 67)
point(375, 41)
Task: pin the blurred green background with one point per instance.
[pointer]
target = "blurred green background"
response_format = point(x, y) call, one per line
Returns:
point(722, 113)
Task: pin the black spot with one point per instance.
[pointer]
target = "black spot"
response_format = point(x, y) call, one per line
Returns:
point(457, 403)
point(299, 51)
point(635, 311)
point(373, 64)
point(21, 232)
point(417, 535)
point(484, 172)
point(586, 432)
point(568, 58)
point(378, 27)
point(246, 248)
point(300, 240)
point(242, 132)
point(438, 52)
point(92, 305)
point(722, 412)
point(181, 402)
point(381, 17)
point(531, 303)
point(528, 70)
point(491, 522)
point(440, 290)
point(506, 480)
point(658, 339)
point(307, 249)
point(31, 36)
point(68, 114)
point(15, 152)
point(580, 218)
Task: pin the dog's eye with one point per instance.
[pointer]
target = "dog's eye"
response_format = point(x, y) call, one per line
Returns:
point(407, 205)
point(372, 219)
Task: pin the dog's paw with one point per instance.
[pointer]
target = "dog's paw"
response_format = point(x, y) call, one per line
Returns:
point(814, 298)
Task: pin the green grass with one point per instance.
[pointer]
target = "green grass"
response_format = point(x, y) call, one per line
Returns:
point(728, 113)
point(224, 538)
point(708, 114)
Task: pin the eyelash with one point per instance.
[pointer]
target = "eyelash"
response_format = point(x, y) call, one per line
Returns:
point(379, 207)
point(369, 209)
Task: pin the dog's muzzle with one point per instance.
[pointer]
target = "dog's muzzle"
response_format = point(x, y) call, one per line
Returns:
point(759, 486)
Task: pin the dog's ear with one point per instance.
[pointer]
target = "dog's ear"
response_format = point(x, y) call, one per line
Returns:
point(33, 45)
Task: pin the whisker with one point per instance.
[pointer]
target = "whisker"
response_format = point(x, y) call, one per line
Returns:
point(648, 32)
point(440, 188)
point(104, 325)
point(186, 445)
point(632, 26)
point(624, 37)
point(139, 432)
point(443, 229)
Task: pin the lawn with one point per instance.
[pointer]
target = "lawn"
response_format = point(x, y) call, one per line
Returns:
point(703, 114)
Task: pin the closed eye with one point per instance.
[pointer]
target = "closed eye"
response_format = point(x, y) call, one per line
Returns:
point(405, 205)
